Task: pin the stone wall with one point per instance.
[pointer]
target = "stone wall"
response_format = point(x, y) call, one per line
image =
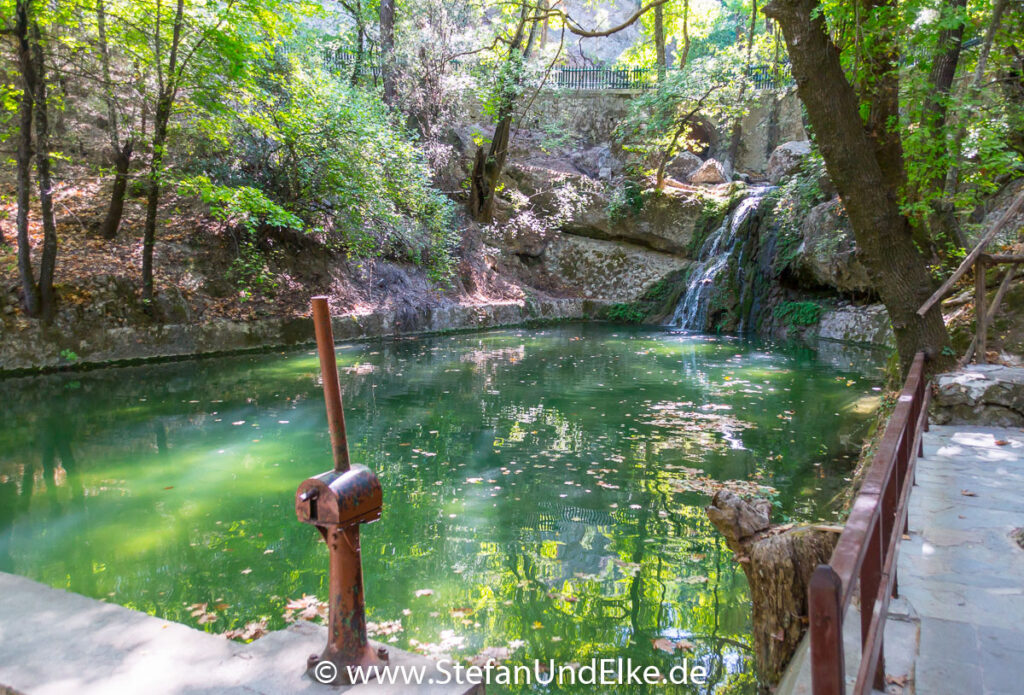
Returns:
point(593, 115)
point(981, 394)
point(590, 114)
point(33, 348)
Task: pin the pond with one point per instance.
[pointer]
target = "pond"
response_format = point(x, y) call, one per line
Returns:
point(543, 488)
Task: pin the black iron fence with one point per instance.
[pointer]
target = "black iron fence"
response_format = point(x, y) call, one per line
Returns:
point(639, 79)
point(572, 79)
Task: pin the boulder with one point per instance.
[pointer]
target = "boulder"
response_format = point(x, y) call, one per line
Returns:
point(596, 162)
point(981, 394)
point(682, 165)
point(786, 159)
point(710, 172)
point(827, 257)
point(868, 325)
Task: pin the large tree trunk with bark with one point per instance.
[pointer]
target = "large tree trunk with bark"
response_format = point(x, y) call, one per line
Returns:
point(853, 157)
point(778, 563)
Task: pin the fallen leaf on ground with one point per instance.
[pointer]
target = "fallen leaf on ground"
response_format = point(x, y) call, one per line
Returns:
point(968, 493)
point(1001, 442)
point(251, 631)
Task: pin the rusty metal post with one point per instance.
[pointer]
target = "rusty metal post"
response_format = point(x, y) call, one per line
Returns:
point(332, 387)
point(336, 502)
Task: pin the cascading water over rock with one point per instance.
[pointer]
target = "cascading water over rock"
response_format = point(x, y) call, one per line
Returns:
point(692, 311)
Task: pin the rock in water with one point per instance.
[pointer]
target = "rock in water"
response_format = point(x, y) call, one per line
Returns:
point(786, 159)
point(709, 172)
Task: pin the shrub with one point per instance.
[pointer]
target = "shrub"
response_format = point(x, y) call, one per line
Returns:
point(334, 158)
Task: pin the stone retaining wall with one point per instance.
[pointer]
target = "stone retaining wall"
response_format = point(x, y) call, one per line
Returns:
point(35, 349)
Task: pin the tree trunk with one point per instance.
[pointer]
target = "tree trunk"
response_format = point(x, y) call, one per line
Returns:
point(685, 53)
point(387, 49)
point(122, 154)
point(737, 129)
point(357, 65)
point(659, 40)
point(48, 257)
point(487, 167)
point(160, 121)
point(953, 175)
point(168, 89)
point(122, 162)
point(778, 563)
point(879, 87)
point(26, 106)
point(851, 155)
point(942, 222)
point(1012, 81)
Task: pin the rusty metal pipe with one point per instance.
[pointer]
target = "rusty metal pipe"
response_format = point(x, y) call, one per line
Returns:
point(332, 388)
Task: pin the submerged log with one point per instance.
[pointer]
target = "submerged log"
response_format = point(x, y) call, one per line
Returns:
point(778, 562)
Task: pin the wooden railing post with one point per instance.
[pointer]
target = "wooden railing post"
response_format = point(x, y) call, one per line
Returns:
point(979, 310)
point(825, 607)
point(870, 580)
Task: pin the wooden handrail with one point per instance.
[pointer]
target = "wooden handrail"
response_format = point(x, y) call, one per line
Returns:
point(867, 551)
point(972, 257)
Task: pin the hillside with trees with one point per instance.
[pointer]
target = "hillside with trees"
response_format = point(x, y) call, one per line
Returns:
point(177, 163)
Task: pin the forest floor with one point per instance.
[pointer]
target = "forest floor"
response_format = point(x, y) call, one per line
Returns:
point(101, 278)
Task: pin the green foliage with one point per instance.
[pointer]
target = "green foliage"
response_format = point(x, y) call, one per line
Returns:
point(790, 203)
point(658, 299)
point(660, 124)
point(625, 200)
point(69, 355)
point(626, 313)
point(249, 209)
point(320, 154)
point(242, 205)
point(796, 314)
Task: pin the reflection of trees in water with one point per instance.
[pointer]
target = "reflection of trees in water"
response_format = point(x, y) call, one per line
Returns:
point(41, 480)
point(543, 411)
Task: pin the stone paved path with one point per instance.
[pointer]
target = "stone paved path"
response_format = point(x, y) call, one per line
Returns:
point(961, 570)
point(54, 642)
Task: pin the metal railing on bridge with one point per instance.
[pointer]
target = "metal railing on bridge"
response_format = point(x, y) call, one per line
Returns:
point(641, 79)
point(569, 78)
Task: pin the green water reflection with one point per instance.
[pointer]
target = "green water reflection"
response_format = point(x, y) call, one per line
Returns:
point(538, 482)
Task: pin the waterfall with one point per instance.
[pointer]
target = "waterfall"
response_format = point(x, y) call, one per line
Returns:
point(692, 311)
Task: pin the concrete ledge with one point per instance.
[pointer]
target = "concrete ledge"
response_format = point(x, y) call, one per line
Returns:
point(54, 642)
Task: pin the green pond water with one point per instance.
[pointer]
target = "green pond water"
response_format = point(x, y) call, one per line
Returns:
point(543, 489)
